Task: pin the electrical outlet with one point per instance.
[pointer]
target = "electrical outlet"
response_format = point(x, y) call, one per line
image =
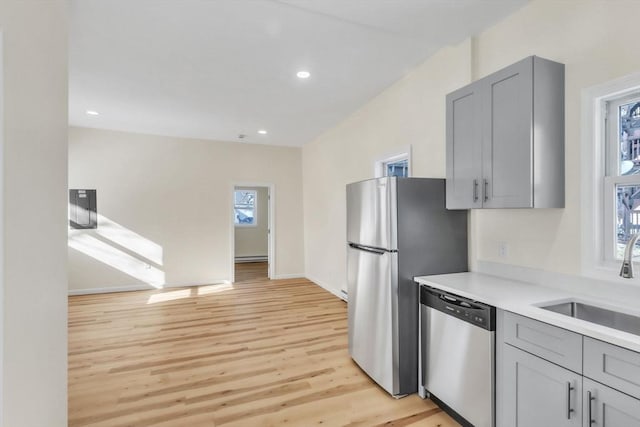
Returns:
point(503, 249)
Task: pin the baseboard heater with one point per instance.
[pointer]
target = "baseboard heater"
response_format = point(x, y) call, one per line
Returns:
point(256, 258)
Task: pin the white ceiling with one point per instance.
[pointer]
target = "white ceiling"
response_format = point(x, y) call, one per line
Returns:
point(215, 69)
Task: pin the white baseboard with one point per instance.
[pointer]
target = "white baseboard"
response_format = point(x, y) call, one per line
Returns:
point(256, 258)
point(138, 287)
point(336, 292)
point(107, 290)
point(288, 276)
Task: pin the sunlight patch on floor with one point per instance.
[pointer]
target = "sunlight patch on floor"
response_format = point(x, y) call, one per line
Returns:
point(213, 289)
point(169, 296)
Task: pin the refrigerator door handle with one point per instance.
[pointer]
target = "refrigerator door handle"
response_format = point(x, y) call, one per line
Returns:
point(367, 249)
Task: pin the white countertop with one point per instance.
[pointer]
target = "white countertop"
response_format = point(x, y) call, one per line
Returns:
point(524, 298)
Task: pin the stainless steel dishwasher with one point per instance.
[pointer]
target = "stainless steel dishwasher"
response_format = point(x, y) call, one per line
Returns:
point(457, 356)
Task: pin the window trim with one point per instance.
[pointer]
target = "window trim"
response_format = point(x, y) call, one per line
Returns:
point(612, 176)
point(612, 131)
point(255, 208)
point(379, 165)
point(594, 193)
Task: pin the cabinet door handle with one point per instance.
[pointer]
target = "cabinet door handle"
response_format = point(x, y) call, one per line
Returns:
point(569, 409)
point(486, 190)
point(475, 190)
point(591, 399)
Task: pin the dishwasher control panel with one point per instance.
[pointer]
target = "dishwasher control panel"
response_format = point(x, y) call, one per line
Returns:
point(474, 312)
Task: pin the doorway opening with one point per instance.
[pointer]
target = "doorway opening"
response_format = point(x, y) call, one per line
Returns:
point(252, 231)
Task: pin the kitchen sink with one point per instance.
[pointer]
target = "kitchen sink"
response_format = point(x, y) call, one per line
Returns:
point(601, 316)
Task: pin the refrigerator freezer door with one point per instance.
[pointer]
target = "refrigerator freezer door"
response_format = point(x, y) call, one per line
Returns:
point(371, 213)
point(372, 282)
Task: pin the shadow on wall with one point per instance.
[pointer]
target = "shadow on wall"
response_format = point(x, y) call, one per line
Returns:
point(122, 249)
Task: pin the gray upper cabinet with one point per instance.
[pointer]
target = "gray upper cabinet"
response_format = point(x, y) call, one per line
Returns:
point(505, 139)
point(464, 148)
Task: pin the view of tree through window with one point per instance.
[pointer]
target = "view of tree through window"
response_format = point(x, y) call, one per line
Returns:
point(245, 207)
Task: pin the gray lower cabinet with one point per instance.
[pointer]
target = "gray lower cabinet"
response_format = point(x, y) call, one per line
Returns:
point(549, 342)
point(505, 139)
point(617, 367)
point(551, 377)
point(606, 407)
point(538, 393)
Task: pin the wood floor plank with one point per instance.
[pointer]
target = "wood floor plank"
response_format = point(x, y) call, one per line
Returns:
point(256, 353)
point(251, 271)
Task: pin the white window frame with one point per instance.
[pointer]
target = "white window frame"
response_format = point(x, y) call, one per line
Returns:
point(612, 176)
point(380, 164)
point(598, 207)
point(255, 207)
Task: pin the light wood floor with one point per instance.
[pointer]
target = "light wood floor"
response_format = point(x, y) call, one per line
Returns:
point(267, 353)
point(246, 271)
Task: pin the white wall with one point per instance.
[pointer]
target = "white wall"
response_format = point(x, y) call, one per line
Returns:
point(34, 162)
point(593, 39)
point(410, 112)
point(254, 241)
point(177, 193)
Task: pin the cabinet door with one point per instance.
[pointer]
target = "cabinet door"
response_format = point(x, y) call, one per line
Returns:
point(615, 366)
point(538, 393)
point(604, 406)
point(549, 342)
point(507, 180)
point(464, 148)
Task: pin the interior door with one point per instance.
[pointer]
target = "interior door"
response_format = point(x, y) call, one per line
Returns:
point(372, 286)
point(371, 213)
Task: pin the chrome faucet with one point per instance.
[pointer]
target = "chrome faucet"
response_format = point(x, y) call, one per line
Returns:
point(627, 262)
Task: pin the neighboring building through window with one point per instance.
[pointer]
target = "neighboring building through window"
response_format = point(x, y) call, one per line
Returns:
point(622, 173)
point(610, 175)
point(245, 208)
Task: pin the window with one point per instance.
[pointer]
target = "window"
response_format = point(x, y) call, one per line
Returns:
point(397, 168)
point(244, 207)
point(609, 175)
point(622, 174)
point(397, 164)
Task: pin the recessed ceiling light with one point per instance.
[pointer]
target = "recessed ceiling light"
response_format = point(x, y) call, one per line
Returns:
point(303, 74)
point(262, 132)
point(92, 113)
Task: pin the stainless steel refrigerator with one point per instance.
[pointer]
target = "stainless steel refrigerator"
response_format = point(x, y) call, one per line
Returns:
point(397, 228)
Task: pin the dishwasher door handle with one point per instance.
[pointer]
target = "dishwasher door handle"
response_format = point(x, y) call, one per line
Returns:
point(458, 302)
